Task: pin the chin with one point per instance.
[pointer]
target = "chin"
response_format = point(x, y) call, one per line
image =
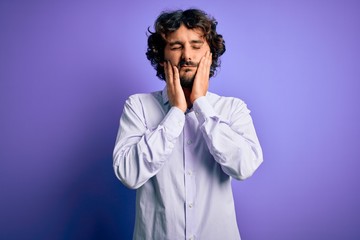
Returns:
point(187, 82)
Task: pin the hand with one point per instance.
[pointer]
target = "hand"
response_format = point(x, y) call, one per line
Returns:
point(174, 90)
point(201, 81)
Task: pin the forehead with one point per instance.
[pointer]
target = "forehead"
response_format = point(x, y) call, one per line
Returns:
point(184, 34)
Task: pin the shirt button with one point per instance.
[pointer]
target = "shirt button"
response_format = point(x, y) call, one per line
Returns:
point(171, 145)
point(189, 142)
point(191, 238)
point(180, 123)
point(189, 172)
point(190, 205)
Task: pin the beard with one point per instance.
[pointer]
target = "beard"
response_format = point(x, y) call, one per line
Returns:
point(187, 80)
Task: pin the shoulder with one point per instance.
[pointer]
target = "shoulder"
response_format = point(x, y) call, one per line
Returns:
point(225, 101)
point(143, 98)
point(228, 107)
point(148, 108)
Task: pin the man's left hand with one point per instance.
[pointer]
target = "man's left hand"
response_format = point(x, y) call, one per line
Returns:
point(201, 81)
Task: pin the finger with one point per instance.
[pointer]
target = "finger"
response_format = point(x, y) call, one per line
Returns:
point(200, 69)
point(202, 60)
point(209, 62)
point(170, 75)
point(203, 68)
point(207, 58)
point(176, 75)
point(169, 80)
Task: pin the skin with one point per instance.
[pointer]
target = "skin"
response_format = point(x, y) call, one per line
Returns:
point(186, 82)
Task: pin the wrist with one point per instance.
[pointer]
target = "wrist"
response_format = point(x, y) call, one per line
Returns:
point(182, 108)
point(195, 97)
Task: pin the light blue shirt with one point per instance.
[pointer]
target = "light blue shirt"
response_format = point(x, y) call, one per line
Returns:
point(182, 164)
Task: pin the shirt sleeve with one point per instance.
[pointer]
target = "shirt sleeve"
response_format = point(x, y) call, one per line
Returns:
point(139, 151)
point(232, 142)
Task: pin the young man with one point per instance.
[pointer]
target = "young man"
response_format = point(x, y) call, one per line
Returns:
point(181, 147)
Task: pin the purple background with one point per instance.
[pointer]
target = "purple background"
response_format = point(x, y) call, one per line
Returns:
point(66, 69)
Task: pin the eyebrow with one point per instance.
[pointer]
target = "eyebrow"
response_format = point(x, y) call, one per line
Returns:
point(175, 43)
point(197, 41)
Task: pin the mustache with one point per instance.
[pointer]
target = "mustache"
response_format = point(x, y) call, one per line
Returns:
point(184, 63)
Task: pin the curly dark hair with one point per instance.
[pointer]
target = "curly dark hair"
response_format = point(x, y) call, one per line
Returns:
point(168, 22)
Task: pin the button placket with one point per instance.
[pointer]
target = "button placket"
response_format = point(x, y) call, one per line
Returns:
point(189, 178)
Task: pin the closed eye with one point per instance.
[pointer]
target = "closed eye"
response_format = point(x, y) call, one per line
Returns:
point(175, 48)
point(197, 44)
point(175, 45)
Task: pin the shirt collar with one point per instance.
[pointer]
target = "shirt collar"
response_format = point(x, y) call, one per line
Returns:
point(165, 96)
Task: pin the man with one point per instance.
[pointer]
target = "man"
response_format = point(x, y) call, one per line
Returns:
point(181, 147)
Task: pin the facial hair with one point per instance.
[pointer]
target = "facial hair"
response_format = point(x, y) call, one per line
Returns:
point(187, 81)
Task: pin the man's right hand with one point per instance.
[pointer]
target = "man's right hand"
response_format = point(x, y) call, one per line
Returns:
point(174, 90)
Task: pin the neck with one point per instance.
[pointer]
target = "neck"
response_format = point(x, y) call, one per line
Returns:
point(187, 93)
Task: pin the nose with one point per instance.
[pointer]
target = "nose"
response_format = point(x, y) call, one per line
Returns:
point(187, 53)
